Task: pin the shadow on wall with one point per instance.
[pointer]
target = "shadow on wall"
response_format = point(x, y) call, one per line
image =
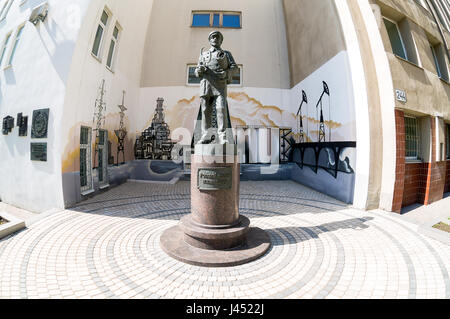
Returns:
point(10, 77)
point(61, 56)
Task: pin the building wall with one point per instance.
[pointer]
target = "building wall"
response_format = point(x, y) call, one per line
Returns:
point(36, 80)
point(86, 75)
point(428, 99)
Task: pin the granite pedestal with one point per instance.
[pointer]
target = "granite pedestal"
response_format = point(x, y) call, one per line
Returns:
point(215, 234)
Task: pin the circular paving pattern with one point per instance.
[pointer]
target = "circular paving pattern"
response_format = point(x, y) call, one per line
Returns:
point(109, 247)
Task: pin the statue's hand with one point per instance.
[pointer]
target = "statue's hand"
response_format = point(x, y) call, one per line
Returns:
point(200, 71)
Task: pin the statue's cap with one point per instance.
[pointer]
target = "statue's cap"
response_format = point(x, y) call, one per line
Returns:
point(215, 32)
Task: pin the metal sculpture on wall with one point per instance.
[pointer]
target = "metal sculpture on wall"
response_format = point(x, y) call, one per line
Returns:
point(322, 135)
point(155, 142)
point(99, 118)
point(8, 125)
point(39, 128)
point(22, 123)
point(300, 118)
point(38, 152)
point(121, 133)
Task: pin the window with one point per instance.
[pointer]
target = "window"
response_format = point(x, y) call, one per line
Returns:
point(439, 61)
point(193, 80)
point(5, 9)
point(398, 46)
point(4, 47)
point(217, 19)
point(99, 34)
point(16, 42)
point(412, 138)
point(112, 47)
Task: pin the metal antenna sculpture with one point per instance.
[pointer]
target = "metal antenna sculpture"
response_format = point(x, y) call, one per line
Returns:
point(302, 133)
point(99, 118)
point(322, 134)
point(121, 133)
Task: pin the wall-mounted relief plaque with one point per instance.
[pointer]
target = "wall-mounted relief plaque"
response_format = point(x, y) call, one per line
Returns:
point(39, 127)
point(8, 125)
point(39, 152)
point(22, 123)
point(210, 179)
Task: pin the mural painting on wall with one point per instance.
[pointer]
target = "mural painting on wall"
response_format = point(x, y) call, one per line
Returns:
point(331, 156)
point(154, 142)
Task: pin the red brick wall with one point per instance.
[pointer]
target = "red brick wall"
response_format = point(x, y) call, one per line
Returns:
point(422, 183)
point(400, 165)
point(415, 182)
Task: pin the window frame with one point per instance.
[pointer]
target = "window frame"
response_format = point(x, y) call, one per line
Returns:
point(116, 44)
point(417, 138)
point(194, 65)
point(211, 18)
point(5, 9)
point(15, 43)
point(5, 45)
point(105, 27)
point(401, 39)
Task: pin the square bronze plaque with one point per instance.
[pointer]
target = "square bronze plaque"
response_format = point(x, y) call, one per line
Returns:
point(39, 152)
point(212, 179)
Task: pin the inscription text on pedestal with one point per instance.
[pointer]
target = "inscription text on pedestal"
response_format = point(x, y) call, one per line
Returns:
point(210, 179)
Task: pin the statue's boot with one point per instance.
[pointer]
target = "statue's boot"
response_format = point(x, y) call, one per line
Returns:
point(223, 131)
point(206, 122)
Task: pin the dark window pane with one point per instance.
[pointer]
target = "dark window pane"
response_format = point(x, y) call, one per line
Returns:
point(237, 78)
point(84, 138)
point(394, 37)
point(98, 39)
point(231, 21)
point(116, 33)
point(192, 79)
point(216, 20)
point(111, 53)
point(100, 165)
point(83, 168)
point(201, 20)
point(104, 18)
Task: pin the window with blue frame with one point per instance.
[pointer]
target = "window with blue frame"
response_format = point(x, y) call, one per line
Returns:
point(216, 19)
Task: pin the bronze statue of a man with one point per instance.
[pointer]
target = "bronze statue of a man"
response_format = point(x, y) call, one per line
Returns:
point(216, 67)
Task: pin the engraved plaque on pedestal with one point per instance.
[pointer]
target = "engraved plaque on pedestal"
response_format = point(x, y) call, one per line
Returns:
point(211, 179)
point(39, 152)
point(40, 123)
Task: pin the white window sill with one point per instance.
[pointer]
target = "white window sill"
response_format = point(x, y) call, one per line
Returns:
point(96, 57)
point(413, 161)
point(444, 80)
point(110, 70)
point(9, 66)
point(87, 192)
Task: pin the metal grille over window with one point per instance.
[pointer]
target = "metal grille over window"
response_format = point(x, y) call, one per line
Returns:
point(412, 138)
point(86, 160)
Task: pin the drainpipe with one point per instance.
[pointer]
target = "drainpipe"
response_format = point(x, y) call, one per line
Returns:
point(432, 6)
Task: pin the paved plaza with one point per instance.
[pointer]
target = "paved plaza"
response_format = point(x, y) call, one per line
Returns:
point(108, 247)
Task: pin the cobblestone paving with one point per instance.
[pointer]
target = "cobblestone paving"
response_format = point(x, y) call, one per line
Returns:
point(109, 248)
